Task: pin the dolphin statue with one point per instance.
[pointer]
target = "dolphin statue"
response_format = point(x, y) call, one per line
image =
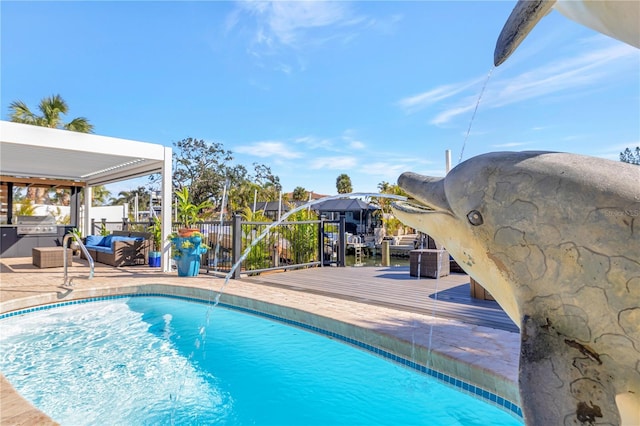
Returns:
point(555, 239)
point(619, 19)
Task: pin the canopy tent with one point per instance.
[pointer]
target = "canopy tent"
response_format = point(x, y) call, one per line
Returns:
point(41, 156)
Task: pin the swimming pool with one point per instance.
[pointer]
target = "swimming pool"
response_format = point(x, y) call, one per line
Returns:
point(154, 360)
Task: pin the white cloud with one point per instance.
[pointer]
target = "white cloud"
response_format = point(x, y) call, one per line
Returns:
point(509, 144)
point(385, 169)
point(447, 115)
point(585, 70)
point(417, 102)
point(354, 144)
point(268, 149)
point(288, 23)
point(312, 142)
point(347, 140)
point(348, 136)
point(333, 163)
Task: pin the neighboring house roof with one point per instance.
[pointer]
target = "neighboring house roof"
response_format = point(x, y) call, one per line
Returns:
point(272, 206)
point(338, 205)
point(344, 205)
point(314, 196)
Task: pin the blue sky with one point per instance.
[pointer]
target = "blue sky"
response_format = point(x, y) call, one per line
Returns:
point(316, 89)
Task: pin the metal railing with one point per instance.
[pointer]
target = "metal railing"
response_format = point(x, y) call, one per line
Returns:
point(288, 245)
point(76, 237)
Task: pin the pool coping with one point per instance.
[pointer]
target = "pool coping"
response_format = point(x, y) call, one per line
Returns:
point(465, 377)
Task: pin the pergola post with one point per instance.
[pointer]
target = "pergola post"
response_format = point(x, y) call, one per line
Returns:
point(86, 226)
point(167, 191)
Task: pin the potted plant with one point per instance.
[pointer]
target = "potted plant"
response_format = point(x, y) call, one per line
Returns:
point(75, 234)
point(103, 230)
point(156, 233)
point(189, 213)
point(186, 251)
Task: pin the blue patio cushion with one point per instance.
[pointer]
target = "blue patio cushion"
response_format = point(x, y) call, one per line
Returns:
point(94, 240)
point(120, 238)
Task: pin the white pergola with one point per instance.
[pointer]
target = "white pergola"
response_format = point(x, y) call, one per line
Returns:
point(82, 159)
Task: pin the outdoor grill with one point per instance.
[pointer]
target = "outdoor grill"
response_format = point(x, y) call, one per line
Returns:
point(36, 225)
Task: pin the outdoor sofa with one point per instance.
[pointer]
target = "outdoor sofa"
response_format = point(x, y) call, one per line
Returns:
point(121, 248)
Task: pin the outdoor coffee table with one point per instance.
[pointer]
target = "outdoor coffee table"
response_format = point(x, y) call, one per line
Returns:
point(50, 257)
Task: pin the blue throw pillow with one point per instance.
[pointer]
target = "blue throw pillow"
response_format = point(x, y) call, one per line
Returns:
point(93, 240)
point(106, 241)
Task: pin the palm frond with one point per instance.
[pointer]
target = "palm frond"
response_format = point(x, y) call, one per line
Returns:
point(20, 113)
point(79, 124)
point(51, 108)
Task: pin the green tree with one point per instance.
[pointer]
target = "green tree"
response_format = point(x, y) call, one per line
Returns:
point(260, 255)
point(241, 194)
point(303, 237)
point(391, 223)
point(343, 184)
point(631, 157)
point(51, 109)
point(384, 187)
point(201, 167)
point(387, 188)
point(300, 194)
point(100, 195)
point(268, 184)
point(26, 208)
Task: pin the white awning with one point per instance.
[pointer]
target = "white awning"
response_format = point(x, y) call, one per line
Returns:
point(42, 152)
point(34, 152)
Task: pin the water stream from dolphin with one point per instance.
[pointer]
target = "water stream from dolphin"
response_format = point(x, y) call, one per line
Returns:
point(473, 116)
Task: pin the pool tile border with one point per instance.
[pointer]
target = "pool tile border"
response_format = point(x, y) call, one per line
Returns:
point(460, 385)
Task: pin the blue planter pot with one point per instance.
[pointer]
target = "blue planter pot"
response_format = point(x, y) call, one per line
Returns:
point(186, 253)
point(155, 258)
point(188, 267)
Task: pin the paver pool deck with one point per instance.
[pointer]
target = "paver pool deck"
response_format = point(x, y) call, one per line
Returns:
point(471, 340)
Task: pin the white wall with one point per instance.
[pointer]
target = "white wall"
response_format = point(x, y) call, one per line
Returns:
point(111, 213)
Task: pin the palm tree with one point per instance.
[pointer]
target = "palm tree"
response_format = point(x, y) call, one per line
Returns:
point(50, 108)
point(387, 188)
point(384, 187)
point(300, 194)
point(343, 184)
point(100, 195)
point(130, 196)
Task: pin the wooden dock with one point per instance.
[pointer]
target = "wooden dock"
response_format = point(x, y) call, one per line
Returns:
point(449, 297)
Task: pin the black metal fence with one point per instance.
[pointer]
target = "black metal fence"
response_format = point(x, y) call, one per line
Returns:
point(274, 246)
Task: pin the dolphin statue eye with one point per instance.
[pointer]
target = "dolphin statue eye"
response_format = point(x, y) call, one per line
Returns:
point(475, 218)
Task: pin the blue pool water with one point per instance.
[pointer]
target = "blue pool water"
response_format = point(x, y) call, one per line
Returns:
point(157, 361)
